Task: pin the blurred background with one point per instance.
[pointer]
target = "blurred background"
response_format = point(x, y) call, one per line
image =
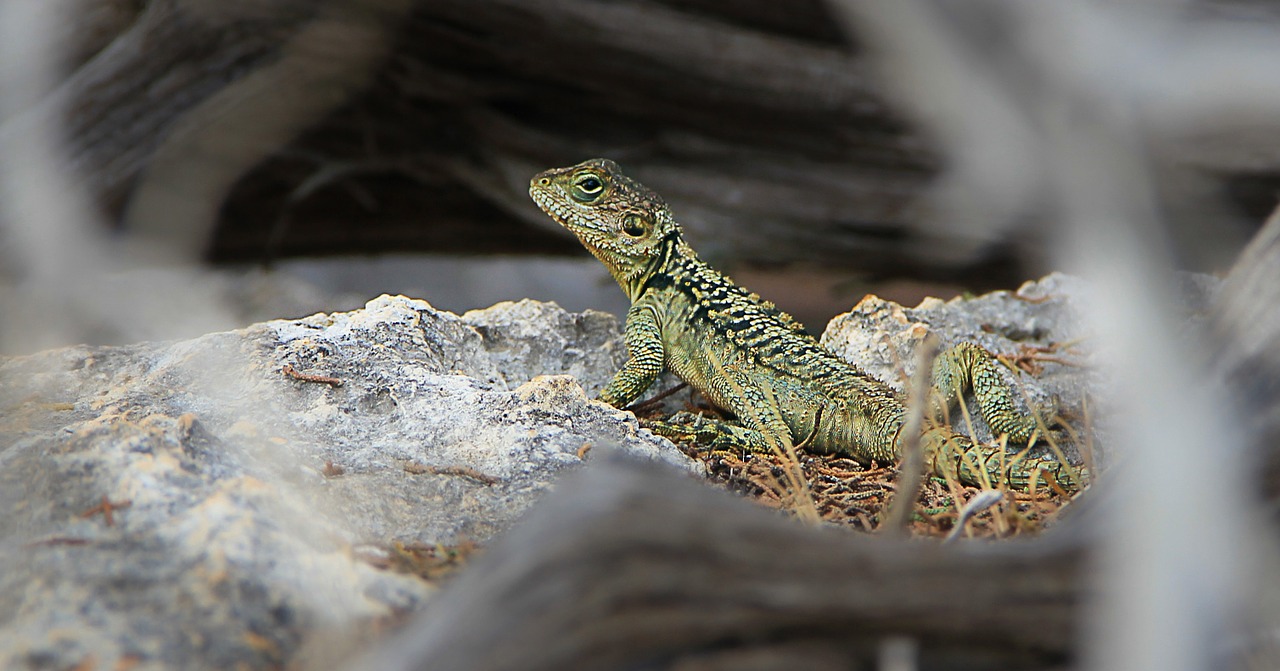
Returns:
point(176, 166)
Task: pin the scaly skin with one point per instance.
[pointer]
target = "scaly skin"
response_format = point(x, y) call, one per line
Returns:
point(754, 360)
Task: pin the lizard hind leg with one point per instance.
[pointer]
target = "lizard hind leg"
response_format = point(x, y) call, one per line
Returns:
point(968, 367)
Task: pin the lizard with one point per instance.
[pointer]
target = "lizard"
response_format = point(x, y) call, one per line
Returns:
point(757, 362)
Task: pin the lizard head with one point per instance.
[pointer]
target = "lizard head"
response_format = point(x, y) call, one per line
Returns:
point(621, 222)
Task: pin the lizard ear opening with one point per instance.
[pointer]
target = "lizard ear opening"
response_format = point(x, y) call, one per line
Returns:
point(635, 225)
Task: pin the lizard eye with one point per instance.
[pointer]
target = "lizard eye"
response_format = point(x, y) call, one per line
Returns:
point(634, 225)
point(587, 188)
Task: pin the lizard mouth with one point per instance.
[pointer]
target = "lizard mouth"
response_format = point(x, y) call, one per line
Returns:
point(561, 212)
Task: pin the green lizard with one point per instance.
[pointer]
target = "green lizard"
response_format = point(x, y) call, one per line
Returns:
point(754, 360)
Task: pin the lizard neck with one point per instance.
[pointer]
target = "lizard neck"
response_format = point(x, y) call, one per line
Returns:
point(657, 270)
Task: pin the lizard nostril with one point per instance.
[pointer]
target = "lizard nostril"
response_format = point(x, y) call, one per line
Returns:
point(545, 181)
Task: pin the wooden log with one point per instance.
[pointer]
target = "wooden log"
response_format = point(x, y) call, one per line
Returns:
point(764, 128)
point(1248, 323)
point(628, 565)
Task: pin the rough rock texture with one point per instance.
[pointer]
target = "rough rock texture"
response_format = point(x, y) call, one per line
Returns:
point(235, 542)
point(245, 498)
point(1039, 321)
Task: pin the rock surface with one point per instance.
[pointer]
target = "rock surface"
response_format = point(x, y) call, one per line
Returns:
point(233, 533)
point(1039, 322)
point(245, 497)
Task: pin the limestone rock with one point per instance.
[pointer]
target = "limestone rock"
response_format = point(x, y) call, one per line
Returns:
point(247, 473)
point(243, 496)
point(1039, 322)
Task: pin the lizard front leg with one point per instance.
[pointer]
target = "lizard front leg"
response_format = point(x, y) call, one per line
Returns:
point(708, 433)
point(643, 336)
point(761, 427)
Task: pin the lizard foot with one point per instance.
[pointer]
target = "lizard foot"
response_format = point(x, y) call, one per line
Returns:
point(706, 433)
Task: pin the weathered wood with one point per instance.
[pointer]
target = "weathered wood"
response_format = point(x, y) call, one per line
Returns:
point(631, 566)
point(171, 102)
point(764, 127)
point(731, 124)
point(1248, 318)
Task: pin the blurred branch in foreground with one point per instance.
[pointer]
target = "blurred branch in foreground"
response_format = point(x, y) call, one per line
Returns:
point(1055, 107)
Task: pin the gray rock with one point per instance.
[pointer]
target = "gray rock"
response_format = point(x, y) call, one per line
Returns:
point(881, 337)
point(234, 543)
point(240, 539)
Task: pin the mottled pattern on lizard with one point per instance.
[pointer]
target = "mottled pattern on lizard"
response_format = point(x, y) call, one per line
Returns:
point(753, 360)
